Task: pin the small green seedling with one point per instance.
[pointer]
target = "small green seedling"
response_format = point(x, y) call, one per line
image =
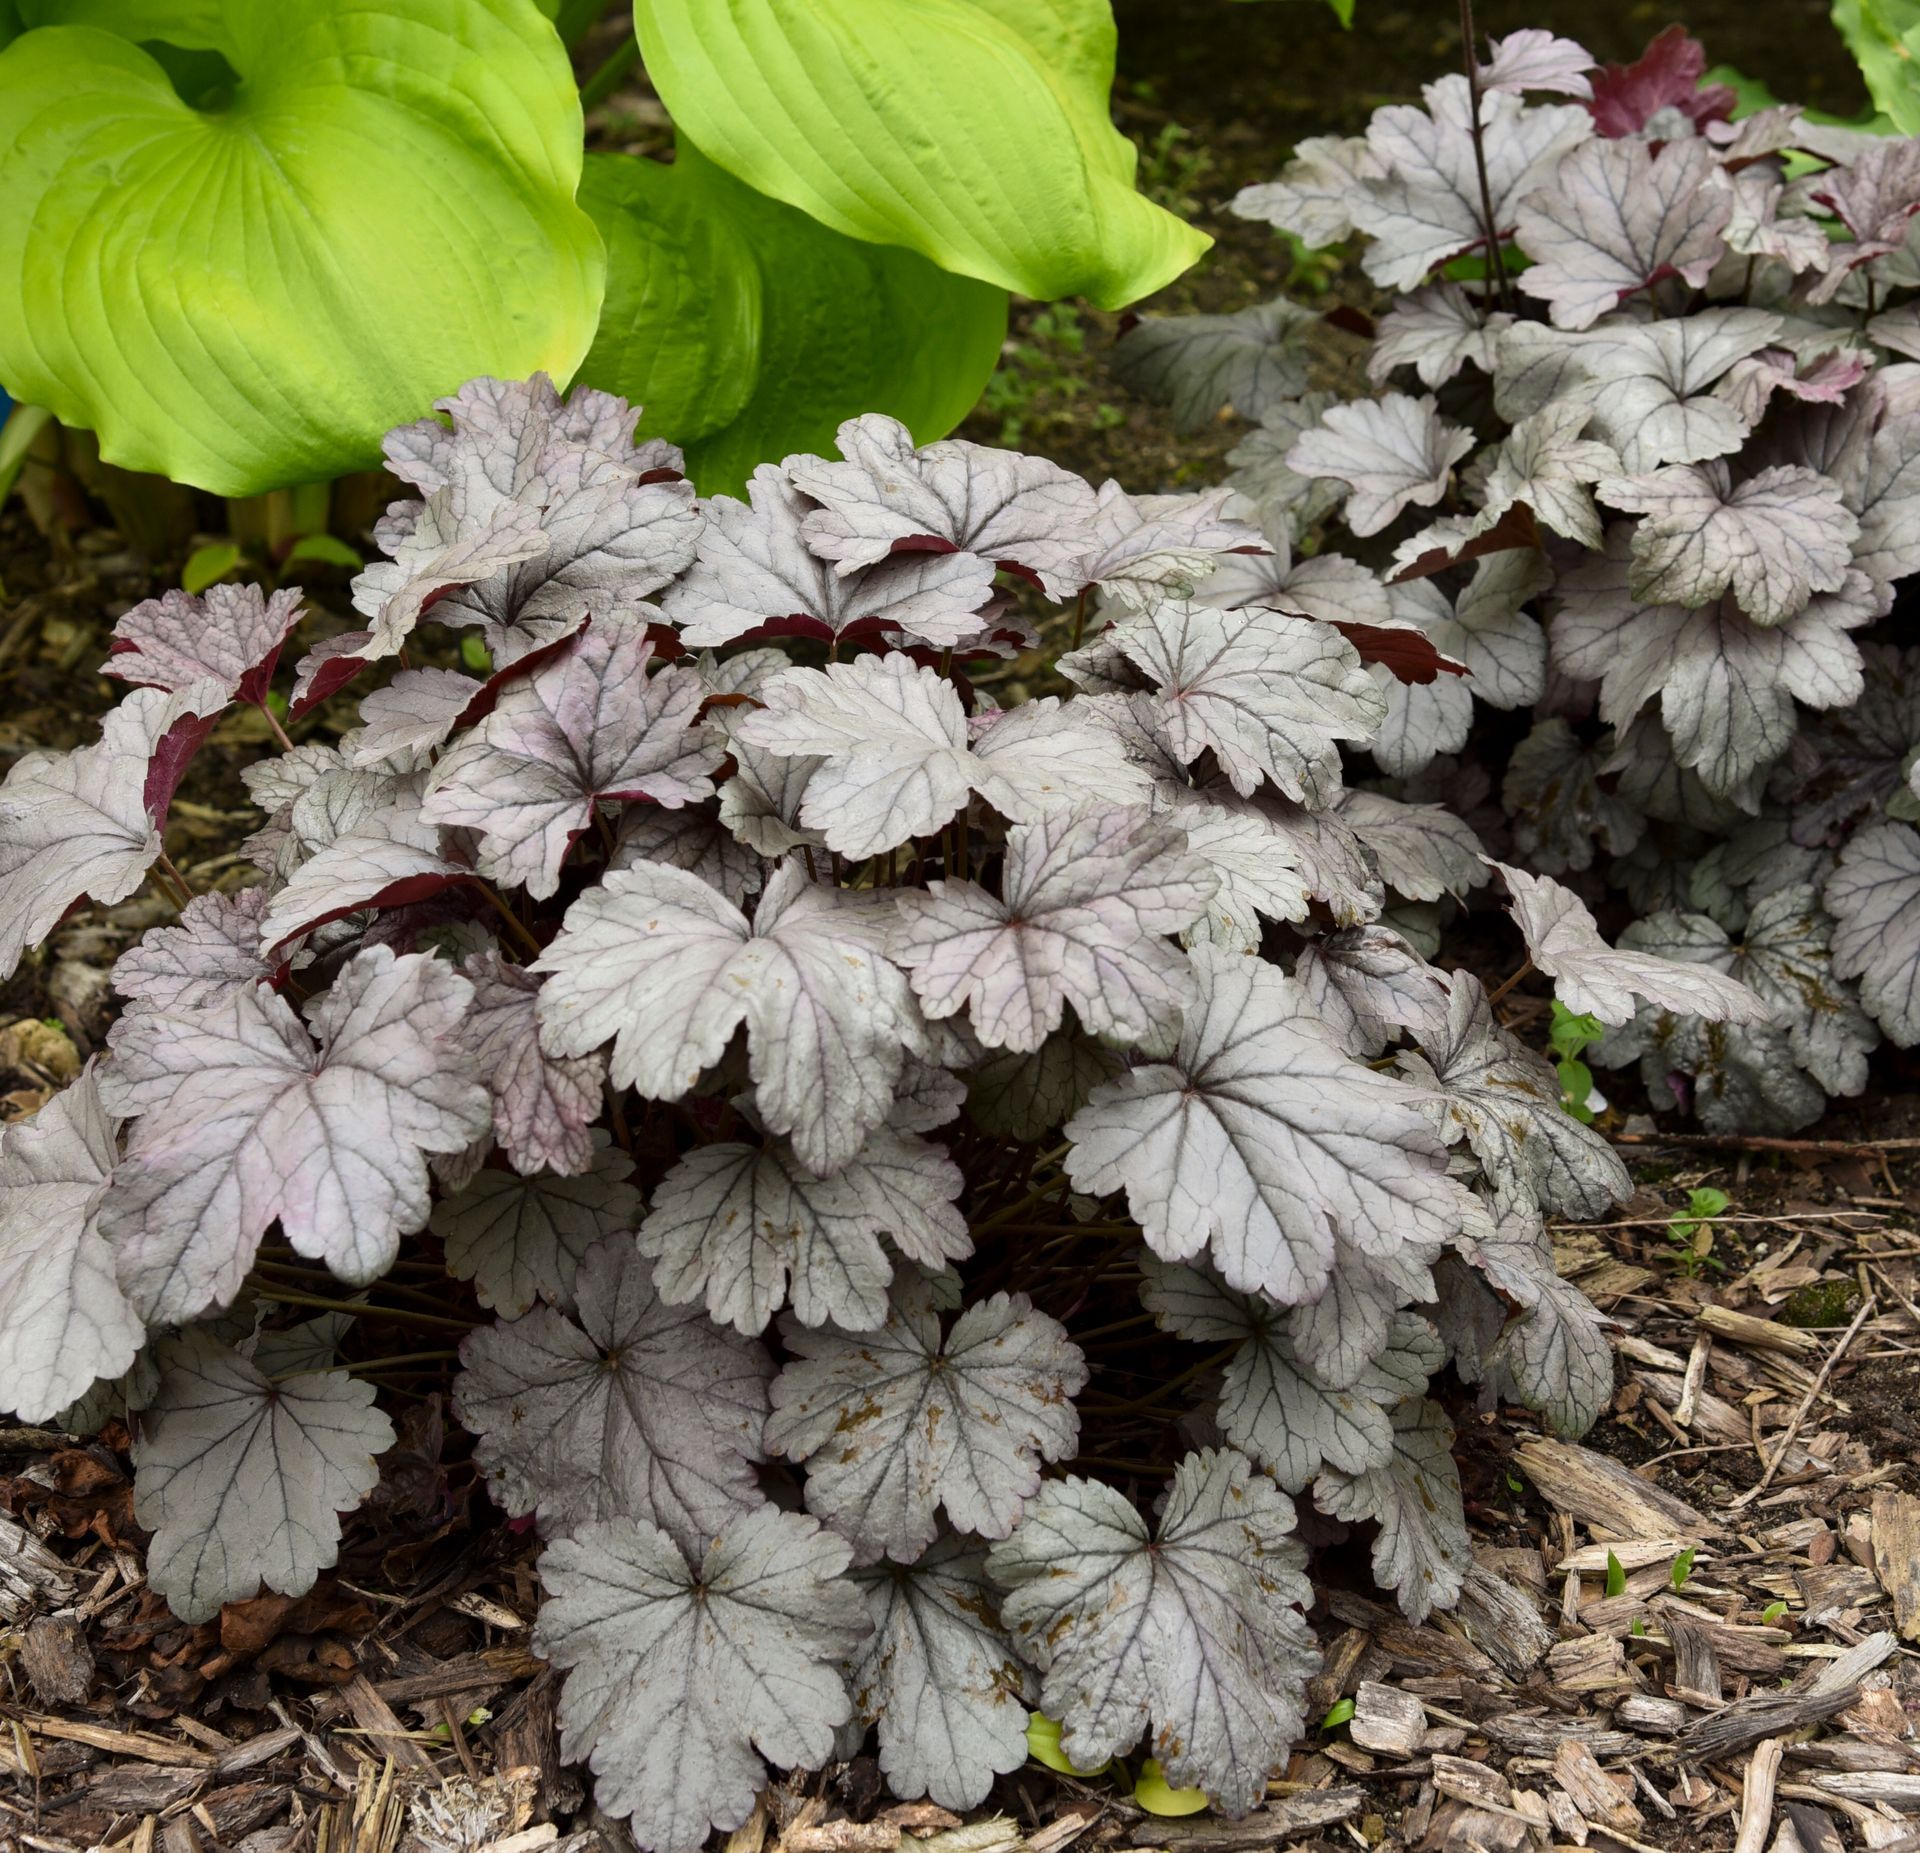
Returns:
point(327, 549)
point(1616, 1576)
point(1638, 1628)
point(1153, 1794)
point(1570, 1035)
point(1338, 1713)
point(1690, 1233)
point(1774, 1611)
point(475, 655)
point(1682, 1569)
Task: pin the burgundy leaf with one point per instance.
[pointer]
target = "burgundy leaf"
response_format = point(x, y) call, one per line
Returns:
point(1626, 97)
point(232, 635)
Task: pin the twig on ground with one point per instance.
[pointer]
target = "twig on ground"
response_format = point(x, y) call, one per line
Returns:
point(1792, 1429)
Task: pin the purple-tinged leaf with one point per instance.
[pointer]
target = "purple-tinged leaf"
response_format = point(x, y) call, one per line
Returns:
point(731, 1223)
point(753, 575)
point(435, 547)
point(64, 1323)
point(232, 635)
point(87, 824)
point(1763, 223)
point(544, 1106)
point(327, 668)
point(1666, 76)
point(1162, 545)
point(1261, 1140)
point(213, 951)
point(1200, 365)
point(242, 1481)
point(1874, 897)
point(590, 724)
point(1873, 196)
point(1531, 59)
point(240, 1119)
point(1087, 901)
point(1436, 331)
point(666, 968)
point(1593, 978)
point(1022, 512)
point(683, 1672)
point(1773, 541)
point(1560, 810)
point(692, 838)
point(413, 714)
point(1824, 377)
point(1546, 463)
point(630, 1409)
point(1192, 1639)
point(961, 1420)
point(1617, 219)
point(1849, 761)
point(1392, 453)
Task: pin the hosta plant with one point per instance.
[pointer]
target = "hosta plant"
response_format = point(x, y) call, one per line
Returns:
point(1639, 454)
point(934, 1176)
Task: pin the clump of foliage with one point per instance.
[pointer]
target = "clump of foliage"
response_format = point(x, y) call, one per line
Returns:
point(1642, 461)
point(848, 1095)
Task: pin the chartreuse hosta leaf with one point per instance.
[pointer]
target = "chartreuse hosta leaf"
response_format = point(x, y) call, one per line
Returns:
point(975, 132)
point(247, 295)
point(749, 330)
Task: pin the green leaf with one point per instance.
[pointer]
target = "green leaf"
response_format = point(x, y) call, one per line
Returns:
point(1043, 1745)
point(475, 655)
point(1338, 1713)
point(21, 426)
point(326, 548)
point(1707, 1202)
point(193, 25)
point(1682, 1568)
point(1576, 1085)
point(1152, 1793)
point(748, 331)
point(975, 132)
point(1884, 37)
point(1572, 1031)
point(1774, 1611)
point(249, 297)
point(206, 564)
point(1616, 1576)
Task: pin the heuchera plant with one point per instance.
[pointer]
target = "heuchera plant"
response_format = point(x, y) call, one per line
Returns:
point(830, 1079)
point(1643, 460)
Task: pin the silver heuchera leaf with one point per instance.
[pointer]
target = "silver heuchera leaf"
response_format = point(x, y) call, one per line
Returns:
point(1271, 1405)
point(1725, 683)
point(1545, 462)
point(682, 1673)
point(1423, 850)
point(1495, 1092)
point(1270, 693)
point(240, 1120)
point(940, 1678)
point(1773, 540)
point(1260, 472)
point(82, 824)
point(1874, 896)
point(1594, 979)
point(1615, 219)
point(1421, 203)
point(1531, 59)
point(534, 517)
point(897, 1422)
point(1162, 545)
point(64, 1323)
point(896, 759)
point(544, 1106)
point(692, 838)
point(521, 1239)
point(730, 1223)
point(630, 1409)
point(1202, 364)
point(588, 725)
point(1646, 381)
point(1393, 453)
point(1436, 331)
point(411, 716)
point(667, 969)
point(1191, 1638)
point(1422, 1552)
point(231, 635)
point(1339, 1334)
point(1261, 1140)
point(1559, 810)
point(1020, 511)
point(242, 1480)
point(754, 575)
point(214, 950)
point(1366, 982)
point(1316, 192)
point(1087, 901)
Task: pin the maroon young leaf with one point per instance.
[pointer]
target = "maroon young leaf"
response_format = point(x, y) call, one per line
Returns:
point(1627, 97)
point(232, 635)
